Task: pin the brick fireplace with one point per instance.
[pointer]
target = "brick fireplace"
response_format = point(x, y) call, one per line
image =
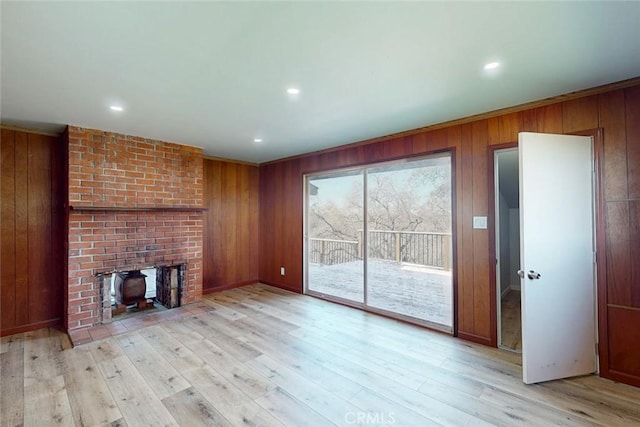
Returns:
point(134, 203)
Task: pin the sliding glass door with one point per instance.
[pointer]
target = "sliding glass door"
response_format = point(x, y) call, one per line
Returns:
point(409, 239)
point(334, 223)
point(398, 261)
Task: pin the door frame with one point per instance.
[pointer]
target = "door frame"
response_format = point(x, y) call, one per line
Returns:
point(599, 223)
point(493, 291)
point(495, 217)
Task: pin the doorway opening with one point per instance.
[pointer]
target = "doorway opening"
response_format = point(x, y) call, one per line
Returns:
point(507, 230)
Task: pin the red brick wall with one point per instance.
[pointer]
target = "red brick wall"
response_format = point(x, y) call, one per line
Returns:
point(115, 170)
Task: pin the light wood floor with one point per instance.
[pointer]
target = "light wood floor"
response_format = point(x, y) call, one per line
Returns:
point(511, 321)
point(266, 357)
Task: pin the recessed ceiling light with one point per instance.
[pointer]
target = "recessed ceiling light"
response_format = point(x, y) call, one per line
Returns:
point(491, 65)
point(293, 91)
point(116, 108)
point(257, 140)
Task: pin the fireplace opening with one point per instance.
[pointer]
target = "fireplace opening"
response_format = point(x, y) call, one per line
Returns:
point(133, 290)
point(127, 292)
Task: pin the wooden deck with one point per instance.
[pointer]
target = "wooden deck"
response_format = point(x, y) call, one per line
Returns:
point(267, 357)
point(410, 290)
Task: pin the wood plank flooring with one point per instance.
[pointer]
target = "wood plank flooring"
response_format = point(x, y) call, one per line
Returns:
point(267, 357)
point(511, 321)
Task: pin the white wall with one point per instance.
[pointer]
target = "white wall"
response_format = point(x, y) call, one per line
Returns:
point(514, 244)
point(505, 244)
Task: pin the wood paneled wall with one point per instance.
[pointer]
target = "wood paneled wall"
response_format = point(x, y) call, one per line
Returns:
point(281, 224)
point(230, 247)
point(616, 112)
point(619, 114)
point(32, 231)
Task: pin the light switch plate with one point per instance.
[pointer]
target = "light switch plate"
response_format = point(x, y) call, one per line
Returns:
point(480, 222)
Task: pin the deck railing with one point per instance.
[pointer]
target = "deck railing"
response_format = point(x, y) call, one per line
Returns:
point(329, 252)
point(415, 247)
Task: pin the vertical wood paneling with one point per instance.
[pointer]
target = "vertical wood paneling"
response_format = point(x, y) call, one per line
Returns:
point(481, 299)
point(41, 298)
point(619, 115)
point(529, 121)
point(618, 253)
point(503, 129)
point(292, 219)
point(632, 99)
point(266, 224)
point(8, 230)
point(373, 153)
point(465, 249)
point(580, 114)
point(32, 245)
point(612, 118)
point(229, 217)
point(408, 145)
point(436, 140)
point(242, 217)
point(419, 143)
point(213, 268)
point(623, 343)
point(549, 118)
point(493, 126)
point(230, 246)
point(254, 228)
point(22, 228)
point(634, 243)
point(510, 125)
point(393, 148)
point(276, 240)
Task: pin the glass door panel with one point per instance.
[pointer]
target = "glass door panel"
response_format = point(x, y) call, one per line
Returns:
point(335, 220)
point(409, 239)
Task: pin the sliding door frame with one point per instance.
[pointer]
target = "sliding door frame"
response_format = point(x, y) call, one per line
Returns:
point(305, 239)
point(452, 154)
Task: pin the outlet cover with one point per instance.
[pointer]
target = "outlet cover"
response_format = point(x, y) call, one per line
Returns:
point(282, 271)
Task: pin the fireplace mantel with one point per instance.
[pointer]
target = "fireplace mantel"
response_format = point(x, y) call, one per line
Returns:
point(136, 209)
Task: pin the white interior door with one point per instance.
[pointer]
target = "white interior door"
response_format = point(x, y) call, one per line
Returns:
point(556, 223)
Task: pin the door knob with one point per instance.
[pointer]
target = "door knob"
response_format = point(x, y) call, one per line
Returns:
point(520, 273)
point(532, 275)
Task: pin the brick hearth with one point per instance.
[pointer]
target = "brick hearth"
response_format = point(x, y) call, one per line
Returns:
point(109, 171)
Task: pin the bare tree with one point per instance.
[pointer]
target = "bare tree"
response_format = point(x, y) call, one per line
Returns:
point(419, 201)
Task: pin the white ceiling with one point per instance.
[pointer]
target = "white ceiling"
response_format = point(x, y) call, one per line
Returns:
point(215, 74)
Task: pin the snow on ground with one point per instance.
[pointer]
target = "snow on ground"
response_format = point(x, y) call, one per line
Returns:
point(406, 289)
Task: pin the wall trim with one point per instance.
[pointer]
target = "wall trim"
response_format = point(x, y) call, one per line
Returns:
point(281, 286)
point(215, 289)
point(475, 338)
point(621, 377)
point(57, 323)
point(222, 159)
point(31, 130)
